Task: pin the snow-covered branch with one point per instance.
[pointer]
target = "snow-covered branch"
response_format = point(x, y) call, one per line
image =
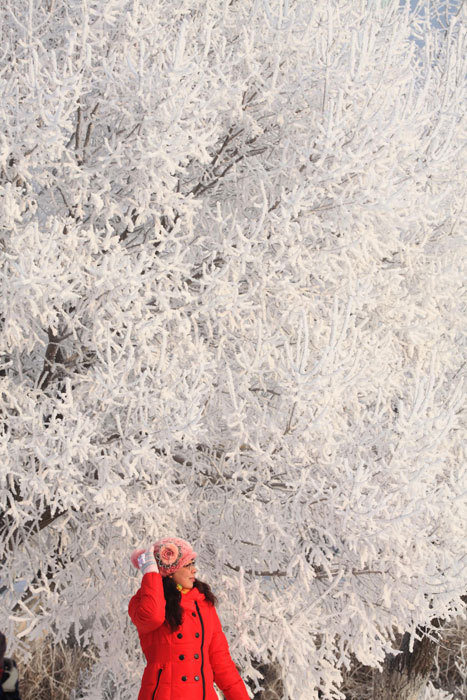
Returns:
point(232, 307)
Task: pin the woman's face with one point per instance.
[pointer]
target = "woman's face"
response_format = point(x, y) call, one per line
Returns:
point(186, 575)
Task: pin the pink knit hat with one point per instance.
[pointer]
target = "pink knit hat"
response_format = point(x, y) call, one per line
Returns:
point(171, 554)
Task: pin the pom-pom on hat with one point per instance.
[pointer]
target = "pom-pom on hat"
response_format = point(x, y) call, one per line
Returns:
point(171, 553)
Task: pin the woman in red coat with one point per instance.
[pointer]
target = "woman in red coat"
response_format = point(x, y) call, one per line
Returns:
point(179, 630)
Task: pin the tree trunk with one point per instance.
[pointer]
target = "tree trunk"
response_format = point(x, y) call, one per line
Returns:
point(404, 676)
point(272, 683)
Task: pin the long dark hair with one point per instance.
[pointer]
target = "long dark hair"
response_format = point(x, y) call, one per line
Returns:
point(173, 609)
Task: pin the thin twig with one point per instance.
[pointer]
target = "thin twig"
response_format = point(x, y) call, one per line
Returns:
point(89, 130)
point(318, 577)
point(78, 128)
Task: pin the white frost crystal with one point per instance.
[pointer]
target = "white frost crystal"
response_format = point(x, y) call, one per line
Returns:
point(232, 308)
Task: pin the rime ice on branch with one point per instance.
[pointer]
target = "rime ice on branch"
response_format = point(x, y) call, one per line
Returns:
point(233, 308)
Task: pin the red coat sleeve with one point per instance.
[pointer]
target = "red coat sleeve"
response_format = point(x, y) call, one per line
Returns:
point(147, 607)
point(225, 672)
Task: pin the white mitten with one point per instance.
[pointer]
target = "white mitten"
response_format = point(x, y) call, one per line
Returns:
point(144, 560)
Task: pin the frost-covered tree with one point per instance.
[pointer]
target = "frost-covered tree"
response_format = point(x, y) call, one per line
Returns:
point(233, 307)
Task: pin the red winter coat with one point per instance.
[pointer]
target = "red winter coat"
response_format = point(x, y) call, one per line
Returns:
point(182, 665)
